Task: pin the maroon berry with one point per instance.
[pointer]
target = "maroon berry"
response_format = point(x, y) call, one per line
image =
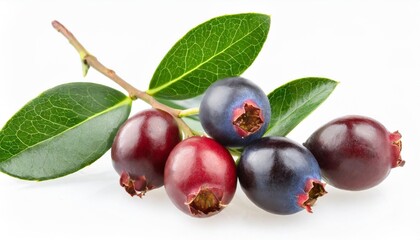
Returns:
point(355, 152)
point(140, 150)
point(200, 176)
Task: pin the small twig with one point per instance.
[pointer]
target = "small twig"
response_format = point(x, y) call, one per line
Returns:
point(90, 60)
point(188, 112)
point(188, 132)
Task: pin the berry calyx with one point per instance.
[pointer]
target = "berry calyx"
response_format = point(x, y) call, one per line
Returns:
point(138, 186)
point(247, 119)
point(205, 202)
point(313, 190)
point(395, 139)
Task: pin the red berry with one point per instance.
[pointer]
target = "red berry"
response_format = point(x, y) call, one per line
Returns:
point(140, 150)
point(200, 176)
point(355, 152)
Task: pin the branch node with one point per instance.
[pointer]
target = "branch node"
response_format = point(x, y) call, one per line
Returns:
point(89, 60)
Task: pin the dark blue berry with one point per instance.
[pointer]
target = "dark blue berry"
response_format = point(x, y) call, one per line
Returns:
point(280, 175)
point(234, 111)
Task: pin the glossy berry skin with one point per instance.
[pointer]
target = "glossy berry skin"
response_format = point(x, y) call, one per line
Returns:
point(280, 175)
point(235, 111)
point(355, 152)
point(200, 177)
point(141, 148)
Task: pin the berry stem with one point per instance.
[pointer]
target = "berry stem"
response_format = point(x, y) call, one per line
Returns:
point(188, 112)
point(89, 60)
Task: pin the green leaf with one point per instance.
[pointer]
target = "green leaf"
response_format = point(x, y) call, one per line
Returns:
point(61, 131)
point(221, 47)
point(294, 101)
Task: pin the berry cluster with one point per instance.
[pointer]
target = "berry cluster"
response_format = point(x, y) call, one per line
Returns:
point(277, 174)
point(156, 147)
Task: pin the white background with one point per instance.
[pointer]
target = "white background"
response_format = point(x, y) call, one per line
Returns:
point(371, 47)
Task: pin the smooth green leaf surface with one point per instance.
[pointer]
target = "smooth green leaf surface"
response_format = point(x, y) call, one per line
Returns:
point(61, 131)
point(221, 47)
point(295, 100)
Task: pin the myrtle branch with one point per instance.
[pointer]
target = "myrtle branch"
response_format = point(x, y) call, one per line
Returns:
point(89, 60)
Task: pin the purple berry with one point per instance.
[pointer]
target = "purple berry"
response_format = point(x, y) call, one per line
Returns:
point(141, 148)
point(355, 152)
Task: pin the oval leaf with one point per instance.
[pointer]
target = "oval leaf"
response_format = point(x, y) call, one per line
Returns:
point(61, 131)
point(221, 47)
point(295, 100)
